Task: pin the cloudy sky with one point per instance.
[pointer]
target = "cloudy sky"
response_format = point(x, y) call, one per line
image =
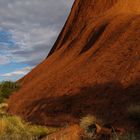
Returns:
point(28, 29)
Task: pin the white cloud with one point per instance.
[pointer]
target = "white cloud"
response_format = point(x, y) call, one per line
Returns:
point(4, 60)
point(33, 24)
point(22, 71)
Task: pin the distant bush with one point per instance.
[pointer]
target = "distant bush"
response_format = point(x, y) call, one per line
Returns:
point(1, 97)
point(134, 112)
point(7, 88)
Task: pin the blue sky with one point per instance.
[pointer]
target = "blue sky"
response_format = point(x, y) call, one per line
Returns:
point(28, 30)
point(7, 70)
point(6, 38)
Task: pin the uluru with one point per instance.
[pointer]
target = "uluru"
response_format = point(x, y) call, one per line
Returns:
point(93, 68)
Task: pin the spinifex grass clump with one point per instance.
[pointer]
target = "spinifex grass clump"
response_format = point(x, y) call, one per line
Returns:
point(89, 125)
point(89, 120)
point(14, 128)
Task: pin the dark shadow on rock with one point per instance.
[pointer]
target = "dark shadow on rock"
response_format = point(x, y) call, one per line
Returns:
point(94, 37)
point(108, 101)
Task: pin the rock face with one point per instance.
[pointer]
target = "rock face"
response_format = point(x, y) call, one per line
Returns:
point(93, 68)
point(73, 132)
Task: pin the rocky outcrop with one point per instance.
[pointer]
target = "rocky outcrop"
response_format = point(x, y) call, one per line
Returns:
point(93, 68)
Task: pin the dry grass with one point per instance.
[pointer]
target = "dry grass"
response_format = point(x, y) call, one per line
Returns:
point(89, 124)
point(89, 120)
point(14, 128)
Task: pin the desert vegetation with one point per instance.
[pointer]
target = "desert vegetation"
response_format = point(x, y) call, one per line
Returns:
point(6, 89)
point(13, 127)
point(95, 128)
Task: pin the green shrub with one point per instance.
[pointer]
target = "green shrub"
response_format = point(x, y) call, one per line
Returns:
point(134, 112)
point(7, 88)
point(1, 99)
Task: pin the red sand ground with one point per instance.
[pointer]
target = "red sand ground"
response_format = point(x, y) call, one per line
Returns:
point(93, 68)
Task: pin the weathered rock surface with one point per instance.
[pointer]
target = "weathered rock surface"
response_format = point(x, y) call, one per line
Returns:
point(94, 67)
